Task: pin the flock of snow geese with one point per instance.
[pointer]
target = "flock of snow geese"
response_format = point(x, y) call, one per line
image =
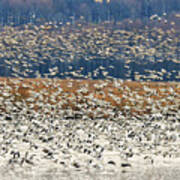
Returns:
point(85, 51)
point(104, 125)
point(78, 125)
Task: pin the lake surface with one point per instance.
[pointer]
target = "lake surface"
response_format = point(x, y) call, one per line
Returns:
point(163, 173)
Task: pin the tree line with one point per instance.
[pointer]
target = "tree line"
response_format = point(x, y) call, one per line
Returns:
point(24, 11)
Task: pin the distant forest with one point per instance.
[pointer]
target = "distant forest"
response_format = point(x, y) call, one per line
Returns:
point(17, 12)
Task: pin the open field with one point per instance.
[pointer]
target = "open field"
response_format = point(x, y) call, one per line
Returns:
point(110, 129)
point(128, 97)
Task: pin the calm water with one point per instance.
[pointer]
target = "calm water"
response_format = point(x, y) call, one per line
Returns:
point(164, 173)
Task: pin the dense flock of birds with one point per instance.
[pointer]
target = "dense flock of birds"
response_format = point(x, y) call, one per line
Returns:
point(99, 125)
point(86, 51)
point(87, 125)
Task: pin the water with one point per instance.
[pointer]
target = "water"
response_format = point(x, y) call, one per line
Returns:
point(164, 172)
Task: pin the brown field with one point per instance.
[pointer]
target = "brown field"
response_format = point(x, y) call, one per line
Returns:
point(132, 94)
